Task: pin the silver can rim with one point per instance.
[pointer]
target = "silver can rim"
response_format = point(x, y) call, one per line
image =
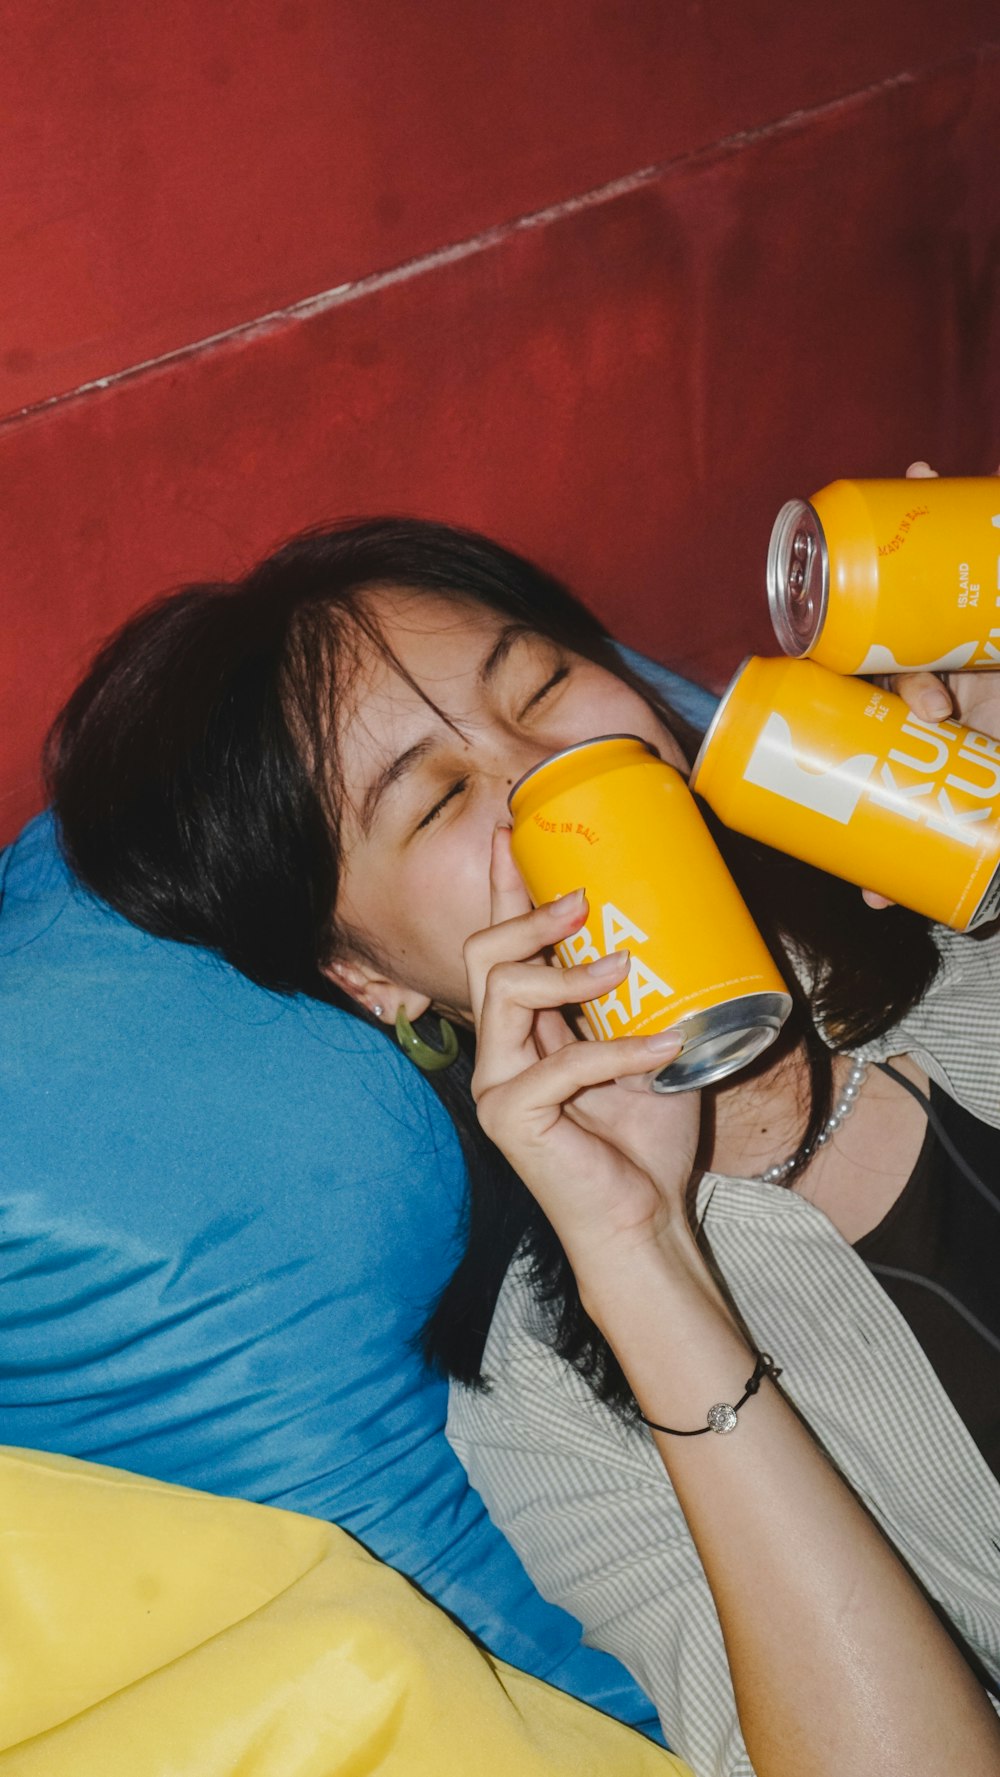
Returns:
point(988, 906)
point(794, 516)
point(578, 747)
point(757, 1018)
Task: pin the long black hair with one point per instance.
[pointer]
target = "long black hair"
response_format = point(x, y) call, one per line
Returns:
point(193, 776)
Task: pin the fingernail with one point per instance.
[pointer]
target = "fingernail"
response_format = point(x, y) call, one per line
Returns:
point(665, 1042)
point(567, 903)
point(609, 965)
point(935, 705)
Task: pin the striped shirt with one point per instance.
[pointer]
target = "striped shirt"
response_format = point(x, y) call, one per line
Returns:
point(585, 1500)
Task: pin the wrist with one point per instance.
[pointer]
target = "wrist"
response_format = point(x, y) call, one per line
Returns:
point(662, 1271)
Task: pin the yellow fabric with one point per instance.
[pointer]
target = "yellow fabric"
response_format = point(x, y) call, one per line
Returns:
point(148, 1631)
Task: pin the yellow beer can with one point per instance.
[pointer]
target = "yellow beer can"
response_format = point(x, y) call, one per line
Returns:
point(836, 772)
point(610, 817)
point(890, 576)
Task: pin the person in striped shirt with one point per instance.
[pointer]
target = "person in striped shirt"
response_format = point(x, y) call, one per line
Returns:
point(380, 699)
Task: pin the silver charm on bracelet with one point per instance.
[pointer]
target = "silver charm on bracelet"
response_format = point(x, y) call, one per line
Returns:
point(723, 1417)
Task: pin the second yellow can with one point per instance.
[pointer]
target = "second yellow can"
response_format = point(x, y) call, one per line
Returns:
point(843, 775)
point(609, 816)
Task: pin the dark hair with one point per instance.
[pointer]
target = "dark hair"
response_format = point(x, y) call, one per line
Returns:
point(193, 776)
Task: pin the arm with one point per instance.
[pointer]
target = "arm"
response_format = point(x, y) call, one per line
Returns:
point(847, 1666)
point(588, 1507)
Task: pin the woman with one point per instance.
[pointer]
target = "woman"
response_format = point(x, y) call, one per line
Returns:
point(308, 772)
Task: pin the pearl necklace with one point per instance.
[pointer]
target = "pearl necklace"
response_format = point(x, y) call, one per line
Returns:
point(783, 1169)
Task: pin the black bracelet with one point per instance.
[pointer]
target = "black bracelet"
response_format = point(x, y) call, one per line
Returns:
point(722, 1417)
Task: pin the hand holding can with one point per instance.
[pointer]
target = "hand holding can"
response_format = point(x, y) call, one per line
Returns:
point(611, 815)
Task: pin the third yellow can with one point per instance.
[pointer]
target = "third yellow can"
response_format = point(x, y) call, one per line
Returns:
point(890, 576)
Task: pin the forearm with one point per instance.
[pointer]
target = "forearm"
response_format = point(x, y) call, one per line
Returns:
point(837, 1661)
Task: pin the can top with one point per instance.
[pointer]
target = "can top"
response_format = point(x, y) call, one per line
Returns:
point(581, 746)
point(798, 576)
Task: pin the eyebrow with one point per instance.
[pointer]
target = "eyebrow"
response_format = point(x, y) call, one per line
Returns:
point(406, 762)
point(500, 650)
point(389, 775)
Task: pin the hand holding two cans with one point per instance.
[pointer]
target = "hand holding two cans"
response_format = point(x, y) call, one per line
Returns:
point(876, 577)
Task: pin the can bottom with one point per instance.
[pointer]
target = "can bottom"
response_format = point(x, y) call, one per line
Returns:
point(722, 1039)
point(989, 906)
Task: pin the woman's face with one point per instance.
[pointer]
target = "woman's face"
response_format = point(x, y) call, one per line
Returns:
point(423, 794)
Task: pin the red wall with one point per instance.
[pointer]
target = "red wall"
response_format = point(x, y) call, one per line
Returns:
point(610, 281)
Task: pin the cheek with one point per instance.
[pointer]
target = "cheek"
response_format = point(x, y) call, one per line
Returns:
point(422, 912)
point(450, 884)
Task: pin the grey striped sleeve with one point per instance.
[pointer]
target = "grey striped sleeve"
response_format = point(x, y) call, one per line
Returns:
point(954, 1033)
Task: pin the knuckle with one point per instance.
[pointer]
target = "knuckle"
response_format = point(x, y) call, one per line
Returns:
point(472, 947)
point(500, 978)
point(489, 1110)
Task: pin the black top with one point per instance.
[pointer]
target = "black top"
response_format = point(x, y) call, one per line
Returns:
point(936, 1253)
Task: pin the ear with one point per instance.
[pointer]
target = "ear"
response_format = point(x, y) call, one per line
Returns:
point(370, 988)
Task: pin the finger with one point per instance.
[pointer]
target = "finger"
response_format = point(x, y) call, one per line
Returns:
point(925, 694)
point(921, 471)
point(524, 1106)
point(552, 1032)
point(515, 992)
point(518, 938)
point(872, 898)
point(508, 895)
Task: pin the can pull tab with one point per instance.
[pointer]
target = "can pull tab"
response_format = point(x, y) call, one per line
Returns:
point(798, 567)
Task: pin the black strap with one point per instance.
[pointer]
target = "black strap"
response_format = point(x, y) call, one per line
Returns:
point(954, 1154)
point(765, 1366)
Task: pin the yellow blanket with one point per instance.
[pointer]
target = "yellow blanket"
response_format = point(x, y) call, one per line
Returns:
point(148, 1631)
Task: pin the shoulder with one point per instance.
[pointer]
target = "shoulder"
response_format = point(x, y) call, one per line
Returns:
point(954, 1029)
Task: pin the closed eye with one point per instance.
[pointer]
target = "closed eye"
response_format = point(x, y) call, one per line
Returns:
point(432, 813)
point(561, 673)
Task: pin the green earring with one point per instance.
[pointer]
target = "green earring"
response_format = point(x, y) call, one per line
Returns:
point(428, 1059)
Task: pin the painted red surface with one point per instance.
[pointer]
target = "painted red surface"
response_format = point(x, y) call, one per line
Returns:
point(628, 392)
point(169, 172)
